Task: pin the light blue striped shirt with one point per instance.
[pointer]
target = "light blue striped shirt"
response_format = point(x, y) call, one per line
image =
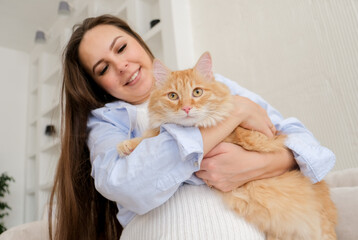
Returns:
point(152, 173)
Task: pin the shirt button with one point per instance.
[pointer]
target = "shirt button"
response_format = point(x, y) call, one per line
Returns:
point(196, 164)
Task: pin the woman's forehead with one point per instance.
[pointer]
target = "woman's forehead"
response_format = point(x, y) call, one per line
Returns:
point(103, 33)
point(97, 41)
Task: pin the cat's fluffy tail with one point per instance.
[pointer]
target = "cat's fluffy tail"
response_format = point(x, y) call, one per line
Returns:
point(256, 141)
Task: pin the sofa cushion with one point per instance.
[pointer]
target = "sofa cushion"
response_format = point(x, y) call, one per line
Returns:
point(30, 231)
point(343, 178)
point(346, 201)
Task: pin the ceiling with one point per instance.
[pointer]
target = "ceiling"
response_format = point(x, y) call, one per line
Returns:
point(19, 20)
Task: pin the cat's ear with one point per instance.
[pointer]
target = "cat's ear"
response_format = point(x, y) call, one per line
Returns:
point(160, 72)
point(204, 66)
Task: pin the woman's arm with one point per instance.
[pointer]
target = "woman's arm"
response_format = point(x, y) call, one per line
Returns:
point(313, 159)
point(249, 114)
point(151, 173)
point(228, 166)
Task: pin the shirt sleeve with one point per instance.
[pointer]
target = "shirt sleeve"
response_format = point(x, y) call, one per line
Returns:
point(314, 160)
point(151, 174)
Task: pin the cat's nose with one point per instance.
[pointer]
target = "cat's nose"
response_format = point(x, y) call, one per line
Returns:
point(186, 109)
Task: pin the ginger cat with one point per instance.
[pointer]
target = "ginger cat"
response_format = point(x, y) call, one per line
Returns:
point(286, 207)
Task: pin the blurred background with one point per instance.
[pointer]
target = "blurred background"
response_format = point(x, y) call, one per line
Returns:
point(299, 55)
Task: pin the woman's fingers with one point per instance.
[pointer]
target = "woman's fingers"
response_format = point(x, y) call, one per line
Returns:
point(253, 116)
point(203, 174)
point(273, 129)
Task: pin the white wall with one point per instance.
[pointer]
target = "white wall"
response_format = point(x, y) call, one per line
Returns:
point(300, 55)
point(13, 105)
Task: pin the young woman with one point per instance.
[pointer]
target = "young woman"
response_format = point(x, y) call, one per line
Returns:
point(107, 79)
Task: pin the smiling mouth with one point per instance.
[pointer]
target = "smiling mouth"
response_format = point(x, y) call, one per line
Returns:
point(133, 77)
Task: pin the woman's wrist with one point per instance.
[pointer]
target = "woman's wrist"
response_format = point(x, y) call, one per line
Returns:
point(216, 134)
point(277, 163)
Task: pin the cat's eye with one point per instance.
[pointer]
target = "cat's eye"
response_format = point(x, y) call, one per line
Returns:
point(173, 96)
point(197, 92)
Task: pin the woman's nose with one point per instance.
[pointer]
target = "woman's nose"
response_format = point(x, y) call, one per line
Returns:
point(121, 66)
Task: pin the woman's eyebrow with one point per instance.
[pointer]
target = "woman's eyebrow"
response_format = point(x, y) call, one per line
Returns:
point(110, 48)
point(113, 42)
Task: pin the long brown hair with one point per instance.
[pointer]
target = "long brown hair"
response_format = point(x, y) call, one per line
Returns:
point(77, 211)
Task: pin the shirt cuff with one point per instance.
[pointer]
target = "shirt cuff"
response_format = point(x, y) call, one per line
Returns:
point(314, 160)
point(190, 142)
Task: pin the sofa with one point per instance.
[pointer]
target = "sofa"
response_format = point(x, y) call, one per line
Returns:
point(344, 191)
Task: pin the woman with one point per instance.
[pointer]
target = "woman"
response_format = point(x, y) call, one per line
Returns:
point(107, 78)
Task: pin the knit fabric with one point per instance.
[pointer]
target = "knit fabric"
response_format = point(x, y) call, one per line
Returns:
point(192, 213)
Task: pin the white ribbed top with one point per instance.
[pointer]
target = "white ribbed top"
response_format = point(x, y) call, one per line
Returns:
point(193, 213)
point(142, 116)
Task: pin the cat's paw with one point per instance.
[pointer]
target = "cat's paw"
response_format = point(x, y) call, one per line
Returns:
point(125, 148)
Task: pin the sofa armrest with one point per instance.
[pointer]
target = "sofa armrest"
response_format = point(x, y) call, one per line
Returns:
point(343, 178)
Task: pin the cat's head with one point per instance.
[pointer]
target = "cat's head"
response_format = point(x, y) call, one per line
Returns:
point(190, 97)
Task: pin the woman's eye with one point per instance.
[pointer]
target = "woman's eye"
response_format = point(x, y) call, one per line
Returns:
point(197, 92)
point(103, 70)
point(122, 48)
point(173, 96)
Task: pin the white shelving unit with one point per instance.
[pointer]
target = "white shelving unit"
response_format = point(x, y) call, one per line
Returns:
point(42, 150)
point(170, 40)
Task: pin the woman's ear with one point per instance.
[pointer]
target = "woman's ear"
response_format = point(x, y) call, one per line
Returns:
point(160, 72)
point(204, 66)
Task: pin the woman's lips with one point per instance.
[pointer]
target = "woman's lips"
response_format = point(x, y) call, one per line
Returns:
point(134, 79)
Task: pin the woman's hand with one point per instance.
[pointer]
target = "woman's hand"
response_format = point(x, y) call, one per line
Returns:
point(253, 116)
point(247, 114)
point(228, 166)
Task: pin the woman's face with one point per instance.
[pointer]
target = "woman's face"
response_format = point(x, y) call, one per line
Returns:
point(117, 63)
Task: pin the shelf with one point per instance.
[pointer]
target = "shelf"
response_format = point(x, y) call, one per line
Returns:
point(32, 155)
point(50, 64)
point(54, 76)
point(47, 165)
point(31, 174)
point(33, 121)
point(33, 105)
point(153, 32)
point(32, 139)
point(150, 1)
point(52, 111)
point(34, 75)
point(52, 143)
point(47, 186)
point(50, 95)
point(30, 208)
point(34, 89)
point(30, 191)
point(155, 43)
point(147, 10)
point(50, 122)
point(43, 202)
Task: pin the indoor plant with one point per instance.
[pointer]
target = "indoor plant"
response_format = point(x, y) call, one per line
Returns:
point(4, 207)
